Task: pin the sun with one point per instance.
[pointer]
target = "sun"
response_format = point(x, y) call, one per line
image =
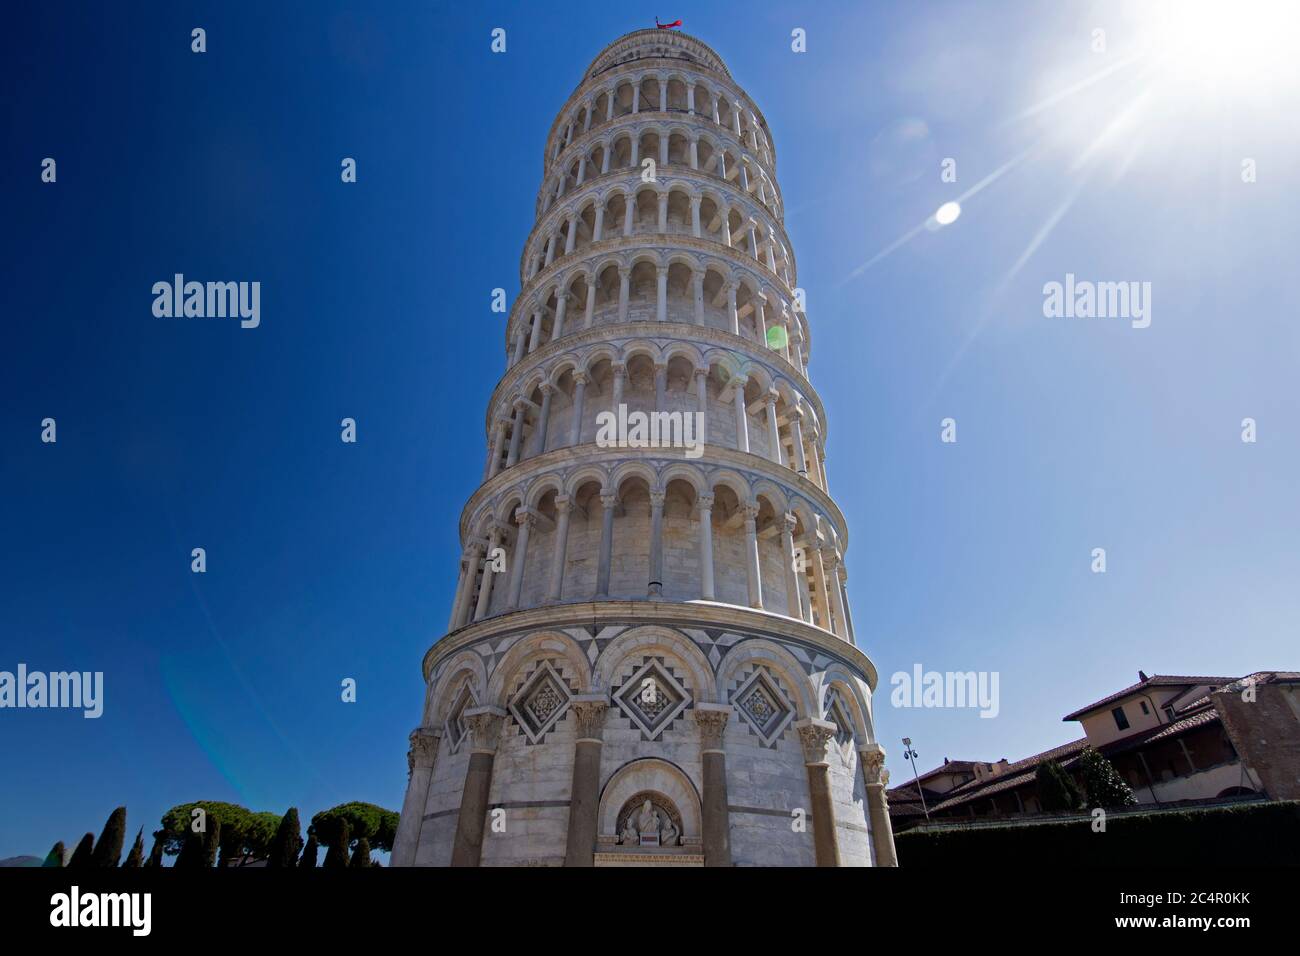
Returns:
point(1223, 47)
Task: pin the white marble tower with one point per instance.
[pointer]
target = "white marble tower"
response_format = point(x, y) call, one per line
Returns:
point(650, 658)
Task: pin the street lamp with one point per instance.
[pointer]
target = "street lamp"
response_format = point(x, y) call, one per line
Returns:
point(910, 755)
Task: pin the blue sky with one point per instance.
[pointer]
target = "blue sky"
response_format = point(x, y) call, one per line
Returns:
point(328, 561)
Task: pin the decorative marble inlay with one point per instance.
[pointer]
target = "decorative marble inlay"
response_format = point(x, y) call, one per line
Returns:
point(652, 698)
point(456, 728)
point(838, 714)
point(762, 706)
point(541, 702)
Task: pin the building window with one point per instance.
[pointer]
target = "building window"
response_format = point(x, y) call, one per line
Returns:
point(1145, 709)
point(1120, 720)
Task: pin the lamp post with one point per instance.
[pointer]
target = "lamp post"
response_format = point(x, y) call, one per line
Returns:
point(910, 755)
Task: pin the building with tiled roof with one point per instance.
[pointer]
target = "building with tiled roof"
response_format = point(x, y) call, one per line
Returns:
point(1166, 736)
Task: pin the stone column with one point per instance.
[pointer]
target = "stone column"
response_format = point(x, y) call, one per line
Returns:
point(582, 171)
point(796, 439)
point(571, 234)
point(419, 763)
point(793, 600)
point(815, 735)
point(584, 799)
point(620, 377)
point(517, 433)
point(498, 445)
point(663, 98)
point(760, 320)
point(712, 721)
point(579, 398)
point(690, 99)
point(702, 401)
point(636, 97)
point(695, 217)
point(705, 503)
point(485, 588)
point(484, 725)
point(521, 341)
point(876, 778)
point(819, 577)
point(561, 307)
point(843, 578)
point(661, 386)
point(561, 548)
point(590, 314)
point(656, 588)
point(751, 558)
point(773, 429)
point(544, 425)
point(598, 230)
point(519, 556)
point(733, 318)
point(629, 210)
point(663, 150)
point(609, 502)
point(604, 160)
point(662, 221)
point(742, 417)
point(460, 613)
point(695, 155)
point(698, 281)
point(836, 596)
point(624, 277)
point(661, 294)
point(550, 242)
point(535, 332)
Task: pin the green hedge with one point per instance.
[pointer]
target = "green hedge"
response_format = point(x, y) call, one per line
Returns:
point(1251, 834)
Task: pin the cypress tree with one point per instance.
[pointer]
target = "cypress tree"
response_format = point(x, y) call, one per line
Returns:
point(156, 854)
point(1106, 788)
point(191, 855)
point(56, 854)
point(308, 860)
point(135, 859)
point(82, 854)
point(211, 841)
point(361, 855)
point(336, 858)
point(1056, 788)
point(108, 850)
point(287, 842)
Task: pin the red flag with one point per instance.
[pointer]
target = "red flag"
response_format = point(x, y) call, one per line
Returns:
point(667, 26)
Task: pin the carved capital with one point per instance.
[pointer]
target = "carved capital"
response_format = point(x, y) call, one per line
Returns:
point(562, 504)
point(712, 721)
point(815, 735)
point(580, 378)
point(657, 499)
point(589, 714)
point(874, 773)
point(610, 501)
point(484, 725)
point(423, 749)
point(705, 502)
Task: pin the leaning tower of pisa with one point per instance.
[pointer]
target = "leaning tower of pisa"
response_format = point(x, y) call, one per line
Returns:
point(650, 658)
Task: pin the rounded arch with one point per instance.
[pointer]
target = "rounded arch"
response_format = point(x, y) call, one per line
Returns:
point(539, 487)
point(581, 476)
point(538, 646)
point(466, 665)
point(650, 775)
point(838, 678)
point(736, 482)
point(651, 638)
point(778, 660)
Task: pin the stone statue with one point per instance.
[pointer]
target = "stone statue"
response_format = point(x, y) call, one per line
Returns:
point(669, 835)
point(647, 821)
point(630, 836)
